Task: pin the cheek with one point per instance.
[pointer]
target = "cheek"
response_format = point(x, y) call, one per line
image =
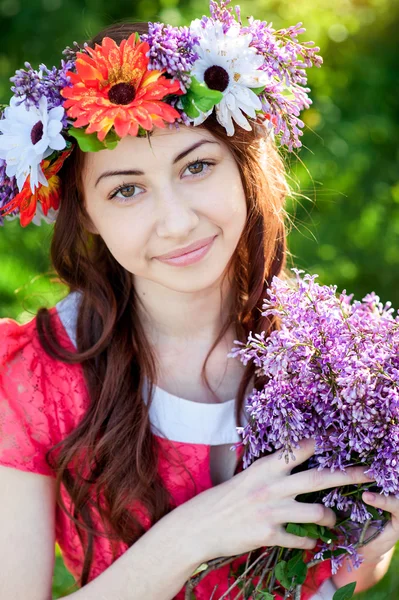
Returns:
point(231, 209)
point(124, 238)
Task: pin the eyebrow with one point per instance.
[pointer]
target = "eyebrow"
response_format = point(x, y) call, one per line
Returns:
point(138, 172)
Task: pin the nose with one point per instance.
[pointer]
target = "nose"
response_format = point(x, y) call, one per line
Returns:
point(175, 215)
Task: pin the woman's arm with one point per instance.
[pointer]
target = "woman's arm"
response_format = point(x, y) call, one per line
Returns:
point(156, 566)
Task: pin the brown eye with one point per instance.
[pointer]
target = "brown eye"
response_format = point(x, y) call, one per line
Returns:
point(196, 167)
point(127, 191)
point(199, 167)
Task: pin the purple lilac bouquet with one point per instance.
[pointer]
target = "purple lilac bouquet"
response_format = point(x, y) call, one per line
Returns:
point(332, 374)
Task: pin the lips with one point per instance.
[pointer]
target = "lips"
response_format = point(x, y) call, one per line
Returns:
point(187, 249)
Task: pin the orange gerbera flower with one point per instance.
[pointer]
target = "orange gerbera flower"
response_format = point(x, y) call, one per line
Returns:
point(113, 87)
point(48, 196)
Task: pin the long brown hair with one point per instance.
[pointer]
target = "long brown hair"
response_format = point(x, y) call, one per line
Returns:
point(112, 347)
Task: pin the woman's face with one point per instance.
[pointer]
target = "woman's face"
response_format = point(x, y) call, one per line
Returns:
point(147, 198)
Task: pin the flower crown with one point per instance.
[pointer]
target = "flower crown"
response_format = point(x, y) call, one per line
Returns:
point(168, 75)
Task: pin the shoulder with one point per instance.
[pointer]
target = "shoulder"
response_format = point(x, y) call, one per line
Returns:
point(35, 383)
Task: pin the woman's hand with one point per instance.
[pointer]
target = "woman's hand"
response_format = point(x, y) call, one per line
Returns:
point(386, 540)
point(377, 554)
point(251, 509)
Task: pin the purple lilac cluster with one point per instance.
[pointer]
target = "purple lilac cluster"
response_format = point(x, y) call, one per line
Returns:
point(8, 189)
point(285, 62)
point(8, 186)
point(30, 85)
point(171, 48)
point(222, 12)
point(332, 372)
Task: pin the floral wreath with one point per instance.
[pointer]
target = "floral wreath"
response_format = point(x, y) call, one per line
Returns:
point(168, 75)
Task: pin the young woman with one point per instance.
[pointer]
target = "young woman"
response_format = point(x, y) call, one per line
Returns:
point(118, 406)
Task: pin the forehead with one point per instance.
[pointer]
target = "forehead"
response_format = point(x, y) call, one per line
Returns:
point(162, 145)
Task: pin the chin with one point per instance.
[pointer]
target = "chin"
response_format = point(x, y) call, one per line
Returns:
point(190, 279)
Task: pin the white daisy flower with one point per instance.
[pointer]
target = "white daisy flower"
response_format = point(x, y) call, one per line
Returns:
point(228, 64)
point(27, 137)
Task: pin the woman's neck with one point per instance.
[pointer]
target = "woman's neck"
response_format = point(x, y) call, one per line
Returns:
point(172, 316)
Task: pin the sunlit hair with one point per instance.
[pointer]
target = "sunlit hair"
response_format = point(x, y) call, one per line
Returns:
point(115, 354)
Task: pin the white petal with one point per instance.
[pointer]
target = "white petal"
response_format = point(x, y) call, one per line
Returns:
point(27, 117)
point(58, 142)
point(40, 216)
point(48, 152)
point(56, 113)
point(249, 110)
point(53, 128)
point(241, 120)
point(230, 101)
point(21, 178)
point(43, 104)
point(224, 118)
point(246, 96)
point(201, 118)
point(11, 170)
point(41, 146)
point(37, 176)
point(41, 176)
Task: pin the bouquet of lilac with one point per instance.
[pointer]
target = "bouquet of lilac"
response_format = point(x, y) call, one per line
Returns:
point(332, 373)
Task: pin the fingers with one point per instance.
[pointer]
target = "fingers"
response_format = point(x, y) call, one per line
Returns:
point(301, 512)
point(289, 540)
point(388, 503)
point(314, 480)
point(314, 513)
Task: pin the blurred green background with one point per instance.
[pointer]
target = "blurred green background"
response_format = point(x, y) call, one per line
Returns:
point(345, 220)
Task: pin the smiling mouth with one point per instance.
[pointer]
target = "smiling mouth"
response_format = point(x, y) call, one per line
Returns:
point(189, 249)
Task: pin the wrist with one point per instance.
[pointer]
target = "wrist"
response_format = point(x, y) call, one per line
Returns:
point(190, 534)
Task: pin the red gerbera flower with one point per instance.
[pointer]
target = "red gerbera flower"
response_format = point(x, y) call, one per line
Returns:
point(112, 86)
point(48, 196)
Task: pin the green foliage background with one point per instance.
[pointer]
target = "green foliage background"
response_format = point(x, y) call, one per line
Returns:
point(345, 223)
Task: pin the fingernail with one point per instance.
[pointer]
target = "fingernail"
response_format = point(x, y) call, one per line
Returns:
point(369, 497)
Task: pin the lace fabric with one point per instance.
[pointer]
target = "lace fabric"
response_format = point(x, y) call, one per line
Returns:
point(42, 400)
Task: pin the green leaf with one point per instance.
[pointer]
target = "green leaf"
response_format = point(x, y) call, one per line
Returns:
point(111, 140)
point(296, 567)
point(202, 90)
point(345, 592)
point(374, 512)
point(296, 529)
point(89, 142)
point(258, 90)
point(137, 38)
point(305, 529)
point(280, 571)
point(204, 104)
point(189, 107)
point(261, 595)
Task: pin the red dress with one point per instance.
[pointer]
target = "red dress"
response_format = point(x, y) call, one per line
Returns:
point(42, 400)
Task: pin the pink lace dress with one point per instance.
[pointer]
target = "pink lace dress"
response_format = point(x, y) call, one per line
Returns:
point(42, 400)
